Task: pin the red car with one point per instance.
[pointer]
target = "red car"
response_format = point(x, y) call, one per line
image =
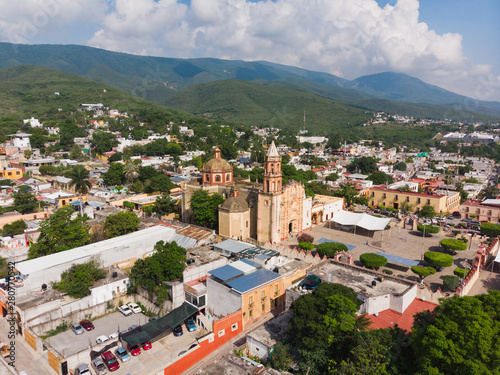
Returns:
point(110, 361)
point(134, 350)
point(146, 345)
point(87, 324)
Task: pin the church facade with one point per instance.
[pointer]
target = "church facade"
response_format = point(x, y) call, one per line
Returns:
point(267, 212)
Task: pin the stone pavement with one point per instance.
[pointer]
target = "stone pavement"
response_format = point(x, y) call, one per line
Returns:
point(409, 244)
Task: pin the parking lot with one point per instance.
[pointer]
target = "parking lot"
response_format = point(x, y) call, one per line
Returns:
point(67, 343)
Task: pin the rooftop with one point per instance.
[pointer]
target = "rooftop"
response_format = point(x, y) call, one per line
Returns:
point(272, 331)
point(360, 279)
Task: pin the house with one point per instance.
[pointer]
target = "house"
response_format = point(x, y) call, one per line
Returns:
point(261, 340)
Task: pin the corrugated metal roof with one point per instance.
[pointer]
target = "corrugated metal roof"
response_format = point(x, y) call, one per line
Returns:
point(253, 280)
point(226, 272)
point(233, 246)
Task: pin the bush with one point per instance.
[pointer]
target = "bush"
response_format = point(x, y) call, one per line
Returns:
point(429, 229)
point(373, 260)
point(388, 272)
point(453, 244)
point(461, 272)
point(423, 272)
point(381, 207)
point(304, 237)
point(490, 229)
point(456, 232)
point(306, 246)
point(451, 282)
point(330, 248)
point(438, 259)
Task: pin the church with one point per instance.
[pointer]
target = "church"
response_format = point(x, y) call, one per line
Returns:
point(266, 212)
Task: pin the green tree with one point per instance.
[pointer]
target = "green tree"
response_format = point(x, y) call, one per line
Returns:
point(380, 178)
point(423, 272)
point(453, 244)
point(490, 229)
point(16, 227)
point(24, 200)
point(77, 280)
point(114, 175)
point(406, 207)
point(131, 170)
point(373, 260)
point(204, 207)
point(161, 183)
point(121, 223)
point(164, 205)
point(280, 359)
point(427, 211)
point(365, 164)
point(461, 336)
point(438, 259)
point(400, 166)
point(79, 179)
point(103, 142)
point(306, 246)
point(59, 232)
point(427, 229)
point(330, 248)
point(347, 191)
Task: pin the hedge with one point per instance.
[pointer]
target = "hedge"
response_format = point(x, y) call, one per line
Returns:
point(438, 259)
point(461, 272)
point(429, 229)
point(304, 237)
point(453, 244)
point(330, 248)
point(423, 271)
point(490, 229)
point(373, 260)
point(306, 245)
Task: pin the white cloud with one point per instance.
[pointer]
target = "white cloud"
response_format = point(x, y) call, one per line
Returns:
point(343, 37)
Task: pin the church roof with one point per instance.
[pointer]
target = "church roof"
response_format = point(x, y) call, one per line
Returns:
point(235, 204)
point(217, 163)
point(273, 151)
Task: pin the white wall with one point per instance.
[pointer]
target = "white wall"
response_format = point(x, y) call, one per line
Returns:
point(307, 213)
point(257, 349)
point(195, 272)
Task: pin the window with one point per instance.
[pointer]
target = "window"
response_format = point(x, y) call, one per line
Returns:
point(276, 289)
point(263, 307)
point(384, 196)
point(217, 178)
point(246, 224)
point(221, 333)
point(466, 209)
point(227, 177)
point(489, 212)
point(210, 339)
point(18, 173)
point(263, 294)
point(428, 202)
point(407, 199)
point(373, 194)
point(10, 173)
point(396, 197)
point(373, 203)
point(250, 301)
point(207, 177)
point(250, 314)
point(234, 327)
point(418, 200)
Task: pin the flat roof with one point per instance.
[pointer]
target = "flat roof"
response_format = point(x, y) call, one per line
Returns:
point(38, 264)
point(253, 280)
point(233, 246)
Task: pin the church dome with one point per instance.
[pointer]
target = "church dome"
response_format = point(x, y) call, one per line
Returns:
point(235, 204)
point(217, 163)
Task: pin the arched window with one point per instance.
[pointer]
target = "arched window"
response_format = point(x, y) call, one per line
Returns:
point(207, 178)
point(227, 177)
point(217, 178)
point(268, 186)
point(272, 168)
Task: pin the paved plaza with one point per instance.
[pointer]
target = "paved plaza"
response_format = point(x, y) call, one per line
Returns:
point(409, 244)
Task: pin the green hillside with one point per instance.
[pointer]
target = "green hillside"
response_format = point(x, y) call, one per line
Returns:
point(265, 104)
point(30, 91)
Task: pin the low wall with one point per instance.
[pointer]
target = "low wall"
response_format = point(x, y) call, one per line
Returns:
point(296, 253)
point(10, 218)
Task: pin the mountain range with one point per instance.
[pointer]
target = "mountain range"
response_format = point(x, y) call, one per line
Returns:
point(164, 80)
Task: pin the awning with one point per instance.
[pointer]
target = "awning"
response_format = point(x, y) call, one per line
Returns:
point(360, 220)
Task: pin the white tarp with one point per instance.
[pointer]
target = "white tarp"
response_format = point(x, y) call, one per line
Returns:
point(360, 220)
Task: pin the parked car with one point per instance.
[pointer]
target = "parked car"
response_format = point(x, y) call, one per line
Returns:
point(77, 328)
point(122, 354)
point(101, 339)
point(99, 367)
point(87, 324)
point(125, 310)
point(190, 325)
point(146, 345)
point(178, 331)
point(113, 336)
point(82, 369)
point(110, 361)
point(132, 327)
point(135, 308)
point(134, 349)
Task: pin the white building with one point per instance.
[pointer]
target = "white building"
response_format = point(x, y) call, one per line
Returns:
point(34, 123)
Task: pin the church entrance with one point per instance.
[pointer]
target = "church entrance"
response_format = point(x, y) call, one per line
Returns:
point(290, 227)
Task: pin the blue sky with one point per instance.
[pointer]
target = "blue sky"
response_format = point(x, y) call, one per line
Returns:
point(449, 43)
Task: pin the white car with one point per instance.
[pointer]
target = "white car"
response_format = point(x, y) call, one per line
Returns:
point(125, 310)
point(114, 335)
point(101, 339)
point(135, 308)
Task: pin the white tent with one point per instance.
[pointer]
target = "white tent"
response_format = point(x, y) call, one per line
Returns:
point(360, 220)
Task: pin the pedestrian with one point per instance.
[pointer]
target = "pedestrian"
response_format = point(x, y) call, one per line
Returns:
point(405, 239)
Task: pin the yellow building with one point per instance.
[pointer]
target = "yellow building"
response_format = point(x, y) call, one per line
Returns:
point(64, 200)
point(442, 201)
point(11, 173)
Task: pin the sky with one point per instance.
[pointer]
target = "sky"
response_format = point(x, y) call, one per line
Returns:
point(453, 44)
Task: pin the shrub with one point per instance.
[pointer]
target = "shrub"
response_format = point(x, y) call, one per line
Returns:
point(464, 240)
point(381, 207)
point(429, 229)
point(423, 272)
point(330, 248)
point(490, 229)
point(451, 282)
point(453, 244)
point(438, 259)
point(304, 237)
point(306, 246)
point(455, 232)
point(461, 272)
point(388, 272)
point(373, 260)
point(128, 204)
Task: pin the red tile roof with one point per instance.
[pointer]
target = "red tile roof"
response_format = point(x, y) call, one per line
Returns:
point(389, 318)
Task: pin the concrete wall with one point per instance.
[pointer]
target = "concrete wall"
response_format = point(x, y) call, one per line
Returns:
point(221, 300)
point(401, 302)
point(257, 349)
point(193, 272)
point(10, 218)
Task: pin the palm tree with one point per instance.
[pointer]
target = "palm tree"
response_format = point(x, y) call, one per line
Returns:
point(80, 181)
point(132, 170)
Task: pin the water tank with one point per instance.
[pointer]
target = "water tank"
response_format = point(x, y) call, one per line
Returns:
point(44, 286)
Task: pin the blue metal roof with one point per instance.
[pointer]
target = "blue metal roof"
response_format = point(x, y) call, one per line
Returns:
point(253, 280)
point(399, 260)
point(323, 240)
point(226, 272)
point(249, 262)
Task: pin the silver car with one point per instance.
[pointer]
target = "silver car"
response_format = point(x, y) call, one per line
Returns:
point(99, 366)
point(82, 369)
point(77, 328)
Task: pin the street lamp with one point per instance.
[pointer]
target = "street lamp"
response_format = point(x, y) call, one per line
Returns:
point(422, 251)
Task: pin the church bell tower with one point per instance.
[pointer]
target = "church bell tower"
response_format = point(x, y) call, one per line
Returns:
point(272, 171)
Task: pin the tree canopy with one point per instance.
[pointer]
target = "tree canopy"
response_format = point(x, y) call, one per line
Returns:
point(427, 211)
point(490, 229)
point(79, 179)
point(428, 229)
point(25, 201)
point(438, 259)
point(373, 260)
point(121, 223)
point(453, 244)
point(330, 248)
point(59, 232)
point(204, 207)
point(77, 280)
